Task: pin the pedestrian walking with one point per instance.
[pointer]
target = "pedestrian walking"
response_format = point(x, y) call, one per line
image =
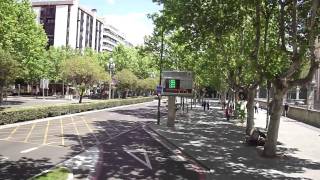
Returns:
point(208, 105)
point(223, 105)
point(256, 107)
point(227, 113)
point(204, 105)
point(231, 111)
point(286, 109)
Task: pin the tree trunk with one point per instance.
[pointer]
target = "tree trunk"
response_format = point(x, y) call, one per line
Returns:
point(250, 110)
point(223, 96)
point(270, 146)
point(126, 94)
point(1, 94)
point(81, 95)
point(236, 94)
point(268, 103)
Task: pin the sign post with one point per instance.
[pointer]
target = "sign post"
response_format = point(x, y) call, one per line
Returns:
point(176, 83)
point(44, 84)
point(171, 111)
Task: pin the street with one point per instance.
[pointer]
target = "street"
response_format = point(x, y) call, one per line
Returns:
point(125, 149)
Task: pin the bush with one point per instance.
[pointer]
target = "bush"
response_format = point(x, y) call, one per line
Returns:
point(31, 113)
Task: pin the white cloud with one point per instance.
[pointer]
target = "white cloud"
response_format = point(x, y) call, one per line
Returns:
point(110, 1)
point(133, 25)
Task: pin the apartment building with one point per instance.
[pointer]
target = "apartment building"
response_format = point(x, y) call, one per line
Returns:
point(112, 37)
point(66, 23)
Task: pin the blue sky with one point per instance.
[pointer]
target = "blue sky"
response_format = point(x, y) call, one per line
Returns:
point(129, 16)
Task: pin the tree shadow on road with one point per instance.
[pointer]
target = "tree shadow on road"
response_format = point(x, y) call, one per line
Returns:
point(148, 112)
point(218, 144)
point(116, 162)
point(85, 154)
point(23, 168)
point(9, 104)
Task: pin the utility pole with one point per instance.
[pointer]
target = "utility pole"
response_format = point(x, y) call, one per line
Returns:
point(160, 79)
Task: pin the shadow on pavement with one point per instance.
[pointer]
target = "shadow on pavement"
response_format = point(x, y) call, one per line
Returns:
point(218, 144)
point(148, 112)
point(9, 104)
point(116, 161)
point(84, 154)
point(23, 168)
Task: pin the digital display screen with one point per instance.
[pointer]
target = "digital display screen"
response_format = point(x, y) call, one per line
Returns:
point(173, 83)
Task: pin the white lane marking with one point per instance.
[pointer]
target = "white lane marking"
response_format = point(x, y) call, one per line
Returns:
point(144, 152)
point(34, 148)
point(29, 150)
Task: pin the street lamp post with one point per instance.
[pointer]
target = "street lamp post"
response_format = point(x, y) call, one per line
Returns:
point(111, 67)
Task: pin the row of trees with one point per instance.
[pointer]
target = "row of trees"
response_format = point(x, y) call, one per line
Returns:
point(88, 68)
point(24, 56)
point(133, 73)
point(239, 45)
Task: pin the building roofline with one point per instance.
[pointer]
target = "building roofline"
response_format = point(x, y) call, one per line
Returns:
point(52, 2)
point(86, 10)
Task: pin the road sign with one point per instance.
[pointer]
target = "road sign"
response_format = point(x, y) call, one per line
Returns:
point(177, 83)
point(44, 84)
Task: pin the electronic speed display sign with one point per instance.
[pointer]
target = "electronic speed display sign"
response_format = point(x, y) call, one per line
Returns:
point(177, 83)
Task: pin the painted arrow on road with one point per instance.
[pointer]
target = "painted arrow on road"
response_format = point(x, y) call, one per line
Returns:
point(144, 152)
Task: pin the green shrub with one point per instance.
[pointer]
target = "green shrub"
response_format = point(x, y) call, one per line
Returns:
point(30, 113)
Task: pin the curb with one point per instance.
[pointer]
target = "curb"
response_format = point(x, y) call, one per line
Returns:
point(180, 149)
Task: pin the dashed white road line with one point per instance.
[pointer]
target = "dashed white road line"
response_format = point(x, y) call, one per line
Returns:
point(34, 148)
point(29, 150)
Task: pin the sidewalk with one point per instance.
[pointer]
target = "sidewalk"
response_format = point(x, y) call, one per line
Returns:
point(218, 145)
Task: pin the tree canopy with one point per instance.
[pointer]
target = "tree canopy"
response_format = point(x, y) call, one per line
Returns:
point(83, 71)
point(241, 44)
point(21, 36)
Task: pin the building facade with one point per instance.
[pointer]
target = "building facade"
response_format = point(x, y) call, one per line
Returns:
point(66, 23)
point(112, 37)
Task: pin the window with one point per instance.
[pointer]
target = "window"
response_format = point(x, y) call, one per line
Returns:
point(68, 26)
point(87, 31)
point(99, 38)
point(96, 37)
point(47, 18)
point(81, 29)
point(90, 33)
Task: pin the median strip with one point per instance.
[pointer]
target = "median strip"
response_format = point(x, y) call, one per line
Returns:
point(10, 116)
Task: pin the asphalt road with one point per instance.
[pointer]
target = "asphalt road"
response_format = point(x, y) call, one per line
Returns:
point(137, 155)
point(125, 150)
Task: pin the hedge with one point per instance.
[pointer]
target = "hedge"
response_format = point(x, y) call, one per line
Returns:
point(31, 113)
